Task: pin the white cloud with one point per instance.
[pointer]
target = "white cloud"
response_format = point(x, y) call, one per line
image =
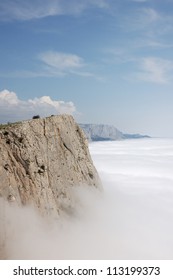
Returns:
point(155, 70)
point(58, 64)
point(8, 98)
point(45, 102)
point(61, 61)
point(12, 108)
point(34, 9)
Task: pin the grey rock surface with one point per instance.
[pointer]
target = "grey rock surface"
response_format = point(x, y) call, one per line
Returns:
point(41, 160)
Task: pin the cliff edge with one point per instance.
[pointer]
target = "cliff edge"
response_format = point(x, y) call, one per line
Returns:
point(41, 160)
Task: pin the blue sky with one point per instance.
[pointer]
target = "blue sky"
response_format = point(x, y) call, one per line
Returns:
point(102, 61)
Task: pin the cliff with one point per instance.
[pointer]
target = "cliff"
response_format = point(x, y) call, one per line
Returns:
point(41, 160)
point(102, 132)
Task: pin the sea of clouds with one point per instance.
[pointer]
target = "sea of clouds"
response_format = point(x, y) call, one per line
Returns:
point(130, 219)
point(138, 182)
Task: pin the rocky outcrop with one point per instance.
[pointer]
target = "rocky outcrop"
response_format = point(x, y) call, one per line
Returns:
point(41, 160)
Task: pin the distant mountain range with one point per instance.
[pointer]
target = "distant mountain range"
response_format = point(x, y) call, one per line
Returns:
point(101, 132)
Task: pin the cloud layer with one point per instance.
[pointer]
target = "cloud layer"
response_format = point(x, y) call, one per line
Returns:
point(131, 219)
point(137, 178)
point(12, 108)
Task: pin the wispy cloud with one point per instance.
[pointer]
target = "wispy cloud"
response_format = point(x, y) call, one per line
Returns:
point(151, 15)
point(63, 62)
point(56, 64)
point(139, 1)
point(118, 55)
point(134, 47)
point(155, 70)
point(152, 69)
point(35, 9)
point(148, 21)
point(141, 19)
point(151, 43)
point(12, 108)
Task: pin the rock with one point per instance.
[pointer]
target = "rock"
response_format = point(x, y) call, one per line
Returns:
point(41, 160)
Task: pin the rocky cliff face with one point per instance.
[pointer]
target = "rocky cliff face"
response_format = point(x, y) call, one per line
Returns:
point(101, 132)
point(41, 160)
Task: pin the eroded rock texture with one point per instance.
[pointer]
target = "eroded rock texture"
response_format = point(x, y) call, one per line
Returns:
point(41, 160)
